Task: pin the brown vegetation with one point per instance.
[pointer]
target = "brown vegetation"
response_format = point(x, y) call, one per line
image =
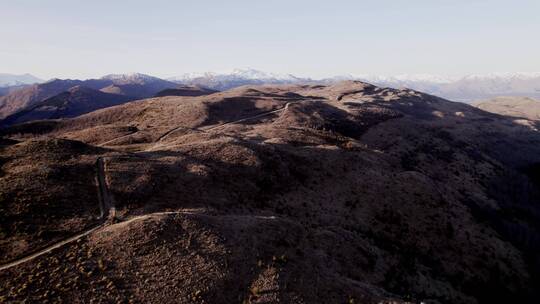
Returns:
point(345, 193)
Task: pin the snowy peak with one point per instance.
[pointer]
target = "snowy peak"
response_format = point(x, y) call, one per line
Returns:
point(256, 74)
point(438, 79)
point(239, 74)
point(467, 88)
point(131, 78)
point(235, 78)
point(503, 77)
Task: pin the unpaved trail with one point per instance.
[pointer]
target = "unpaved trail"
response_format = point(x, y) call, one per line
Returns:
point(284, 108)
point(50, 248)
point(117, 138)
point(174, 130)
point(104, 224)
point(106, 202)
point(190, 212)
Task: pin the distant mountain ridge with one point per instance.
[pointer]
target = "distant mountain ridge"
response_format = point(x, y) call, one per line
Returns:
point(519, 107)
point(6, 90)
point(236, 78)
point(465, 89)
point(8, 80)
point(134, 86)
point(472, 87)
point(74, 102)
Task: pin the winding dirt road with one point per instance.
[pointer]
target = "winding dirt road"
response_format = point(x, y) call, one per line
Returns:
point(106, 202)
point(49, 248)
point(117, 138)
point(284, 108)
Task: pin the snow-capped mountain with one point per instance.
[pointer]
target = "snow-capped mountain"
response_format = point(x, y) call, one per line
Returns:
point(503, 76)
point(468, 88)
point(247, 74)
point(131, 78)
point(235, 78)
point(408, 78)
point(7, 80)
point(256, 74)
point(476, 87)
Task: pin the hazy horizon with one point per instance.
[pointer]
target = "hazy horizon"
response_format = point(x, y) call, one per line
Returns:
point(76, 39)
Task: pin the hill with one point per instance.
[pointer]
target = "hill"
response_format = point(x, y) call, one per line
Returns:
point(74, 102)
point(295, 193)
point(520, 107)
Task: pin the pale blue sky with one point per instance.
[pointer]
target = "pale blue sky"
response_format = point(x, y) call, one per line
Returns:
point(81, 39)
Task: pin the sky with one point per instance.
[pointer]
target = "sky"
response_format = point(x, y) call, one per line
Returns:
point(86, 39)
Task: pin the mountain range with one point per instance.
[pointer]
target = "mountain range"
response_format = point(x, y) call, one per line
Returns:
point(27, 97)
point(473, 87)
point(236, 78)
point(465, 89)
point(301, 193)
point(130, 86)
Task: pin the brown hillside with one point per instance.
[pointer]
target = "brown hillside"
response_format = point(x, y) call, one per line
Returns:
point(346, 193)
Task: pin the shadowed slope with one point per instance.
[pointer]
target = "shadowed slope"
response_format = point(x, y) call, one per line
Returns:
point(185, 91)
